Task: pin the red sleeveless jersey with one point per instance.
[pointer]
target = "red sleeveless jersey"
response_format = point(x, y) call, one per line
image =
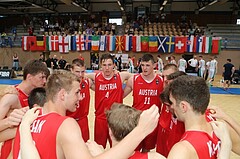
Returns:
point(139, 155)
point(107, 91)
point(7, 145)
point(44, 133)
point(206, 146)
point(83, 109)
point(145, 94)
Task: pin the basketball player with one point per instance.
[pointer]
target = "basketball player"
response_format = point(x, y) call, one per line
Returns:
point(128, 118)
point(201, 67)
point(182, 64)
point(146, 88)
point(34, 75)
point(80, 115)
point(62, 133)
point(130, 65)
point(212, 69)
point(108, 89)
point(160, 63)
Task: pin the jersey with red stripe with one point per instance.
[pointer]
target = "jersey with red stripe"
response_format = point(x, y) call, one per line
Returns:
point(83, 109)
point(44, 133)
point(206, 146)
point(139, 155)
point(145, 93)
point(107, 91)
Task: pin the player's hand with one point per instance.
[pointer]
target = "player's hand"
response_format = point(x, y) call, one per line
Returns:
point(15, 117)
point(149, 119)
point(31, 115)
point(217, 112)
point(94, 148)
point(221, 131)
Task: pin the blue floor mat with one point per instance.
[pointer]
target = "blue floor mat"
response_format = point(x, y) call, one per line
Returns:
point(10, 81)
point(219, 90)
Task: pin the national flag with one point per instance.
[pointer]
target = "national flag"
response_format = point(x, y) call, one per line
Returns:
point(103, 42)
point(111, 41)
point(26, 43)
point(80, 42)
point(162, 43)
point(144, 43)
point(69, 37)
point(180, 44)
point(136, 44)
point(216, 45)
point(190, 42)
point(88, 42)
point(73, 43)
point(170, 44)
point(208, 44)
point(153, 44)
point(52, 43)
point(37, 43)
point(119, 43)
point(127, 42)
point(95, 43)
point(198, 44)
point(63, 44)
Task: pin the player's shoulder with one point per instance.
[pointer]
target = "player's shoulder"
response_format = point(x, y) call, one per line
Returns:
point(182, 150)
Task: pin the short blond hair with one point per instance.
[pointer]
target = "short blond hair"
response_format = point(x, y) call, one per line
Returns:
point(60, 79)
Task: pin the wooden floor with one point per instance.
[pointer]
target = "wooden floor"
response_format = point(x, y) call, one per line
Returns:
point(229, 103)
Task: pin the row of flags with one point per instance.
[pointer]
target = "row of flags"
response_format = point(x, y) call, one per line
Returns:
point(164, 44)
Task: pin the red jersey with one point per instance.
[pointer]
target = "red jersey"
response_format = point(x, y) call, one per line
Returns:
point(44, 133)
point(83, 109)
point(23, 98)
point(139, 155)
point(145, 94)
point(206, 146)
point(171, 130)
point(107, 91)
point(7, 145)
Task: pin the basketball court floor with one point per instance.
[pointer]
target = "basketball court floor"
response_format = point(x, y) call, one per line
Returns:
point(228, 100)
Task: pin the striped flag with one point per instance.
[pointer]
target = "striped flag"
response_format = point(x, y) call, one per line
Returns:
point(111, 41)
point(103, 42)
point(216, 45)
point(73, 43)
point(69, 37)
point(95, 43)
point(127, 42)
point(25, 43)
point(136, 44)
point(208, 44)
point(190, 42)
point(153, 44)
point(198, 44)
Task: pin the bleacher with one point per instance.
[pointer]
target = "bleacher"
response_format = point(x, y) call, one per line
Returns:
point(230, 34)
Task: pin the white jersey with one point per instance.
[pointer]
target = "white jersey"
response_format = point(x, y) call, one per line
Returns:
point(182, 63)
point(213, 64)
point(193, 62)
point(202, 64)
point(160, 65)
point(208, 64)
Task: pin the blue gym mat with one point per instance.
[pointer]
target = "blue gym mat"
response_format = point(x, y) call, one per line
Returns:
point(220, 90)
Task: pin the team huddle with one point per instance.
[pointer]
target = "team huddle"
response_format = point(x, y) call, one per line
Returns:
point(170, 113)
